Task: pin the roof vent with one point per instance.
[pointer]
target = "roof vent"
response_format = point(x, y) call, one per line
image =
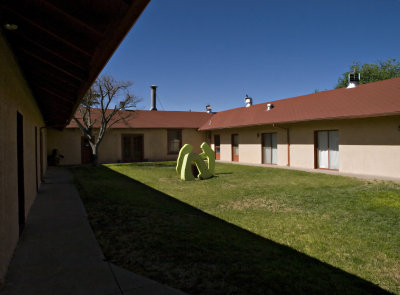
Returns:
point(248, 100)
point(354, 79)
point(270, 106)
point(208, 109)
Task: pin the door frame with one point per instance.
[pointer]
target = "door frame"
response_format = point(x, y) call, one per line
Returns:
point(41, 154)
point(20, 172)
point(91, 153)
point(36, 159)
point(122, 146)
point(234, 157)
point(316, 158)
point(217, 155)
point(262, 147)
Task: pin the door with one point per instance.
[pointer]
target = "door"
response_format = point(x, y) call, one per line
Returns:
point(21, 180)
point(36, 159)
point(41, 154)
point(217, 149)
point(86, 151)
point(327, 149)
point(132, 147)
point(269, 148)
point(235, 147)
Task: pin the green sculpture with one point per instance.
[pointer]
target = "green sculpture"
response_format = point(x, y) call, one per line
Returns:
point(186, 149)
point(186, 158)
point(208, 154)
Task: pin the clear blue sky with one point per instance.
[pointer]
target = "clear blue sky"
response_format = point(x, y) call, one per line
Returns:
point(216, 51)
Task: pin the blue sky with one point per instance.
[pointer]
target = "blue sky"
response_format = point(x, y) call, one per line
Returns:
point(217, 51)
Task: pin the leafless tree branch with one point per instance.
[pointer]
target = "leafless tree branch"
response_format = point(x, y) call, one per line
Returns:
point(105, 91)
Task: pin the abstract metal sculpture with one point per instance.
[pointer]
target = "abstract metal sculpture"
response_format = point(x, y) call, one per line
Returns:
point(186, 159)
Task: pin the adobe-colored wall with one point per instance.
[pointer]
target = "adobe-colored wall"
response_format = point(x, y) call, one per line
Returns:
point(368, 146)
point(250, 143)
point(68, 143)
point(15, 96)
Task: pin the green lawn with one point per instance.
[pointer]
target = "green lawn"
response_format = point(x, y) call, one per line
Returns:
point(249, 230)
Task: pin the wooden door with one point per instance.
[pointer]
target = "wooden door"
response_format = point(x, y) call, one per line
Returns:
point(21, 174)
point(36, 159)
point(86, 151)
point(217, 149)
point(235, 147)
point(132, 147)
point(41, 155)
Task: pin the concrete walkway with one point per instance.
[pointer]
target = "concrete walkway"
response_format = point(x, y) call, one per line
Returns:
point(332, 172)
point(58, 253)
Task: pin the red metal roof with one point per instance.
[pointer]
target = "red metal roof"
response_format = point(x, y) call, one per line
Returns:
point(368, 100)
point(155, 119)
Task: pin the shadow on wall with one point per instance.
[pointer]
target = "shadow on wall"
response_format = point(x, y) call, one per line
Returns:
point(155, 235)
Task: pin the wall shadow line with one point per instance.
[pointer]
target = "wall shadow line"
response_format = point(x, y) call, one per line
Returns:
point(158, 236)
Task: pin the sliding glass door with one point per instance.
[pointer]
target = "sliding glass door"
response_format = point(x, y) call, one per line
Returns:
point(328, 149)
point(269, 148)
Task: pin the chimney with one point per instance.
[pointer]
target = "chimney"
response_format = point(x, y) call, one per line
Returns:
point(248, 100)
point(153, 98)
point(208, 109)
point(354, 79)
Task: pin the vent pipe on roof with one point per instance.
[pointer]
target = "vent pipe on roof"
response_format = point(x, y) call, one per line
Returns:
point(208, 109)
point(153, 98)
point(248, 100)
point(354, 79)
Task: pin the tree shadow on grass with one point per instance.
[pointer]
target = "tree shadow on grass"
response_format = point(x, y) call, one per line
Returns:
point(153, 234)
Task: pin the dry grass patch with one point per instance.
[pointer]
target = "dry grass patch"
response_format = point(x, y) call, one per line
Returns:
point(259, 203)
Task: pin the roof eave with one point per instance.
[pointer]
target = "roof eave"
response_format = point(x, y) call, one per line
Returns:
point(305, 120)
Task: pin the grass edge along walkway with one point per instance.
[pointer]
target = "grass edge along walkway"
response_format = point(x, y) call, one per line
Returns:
point(148, 231)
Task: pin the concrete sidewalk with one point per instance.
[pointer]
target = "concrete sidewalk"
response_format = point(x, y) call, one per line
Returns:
point(58, 253)
point(323, 171)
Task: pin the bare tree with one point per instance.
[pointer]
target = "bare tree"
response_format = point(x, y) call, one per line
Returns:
point(96, 115)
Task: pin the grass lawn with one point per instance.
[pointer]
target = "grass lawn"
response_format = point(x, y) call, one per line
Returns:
point(249, 230)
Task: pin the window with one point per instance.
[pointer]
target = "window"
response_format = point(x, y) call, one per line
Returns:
point(269, 148)
point(174, 141)
point(327, 149)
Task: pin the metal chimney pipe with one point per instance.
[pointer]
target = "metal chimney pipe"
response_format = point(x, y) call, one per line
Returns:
point(153, 98)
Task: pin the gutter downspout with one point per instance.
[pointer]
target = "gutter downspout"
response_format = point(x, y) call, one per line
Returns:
point(288, 141)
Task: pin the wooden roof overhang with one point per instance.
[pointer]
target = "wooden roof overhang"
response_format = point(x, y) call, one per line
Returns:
point(62, 46)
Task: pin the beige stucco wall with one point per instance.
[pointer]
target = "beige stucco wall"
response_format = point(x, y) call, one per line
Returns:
point(250, 143)
point(368, 146)
point(15, 96)
point(68, 143)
